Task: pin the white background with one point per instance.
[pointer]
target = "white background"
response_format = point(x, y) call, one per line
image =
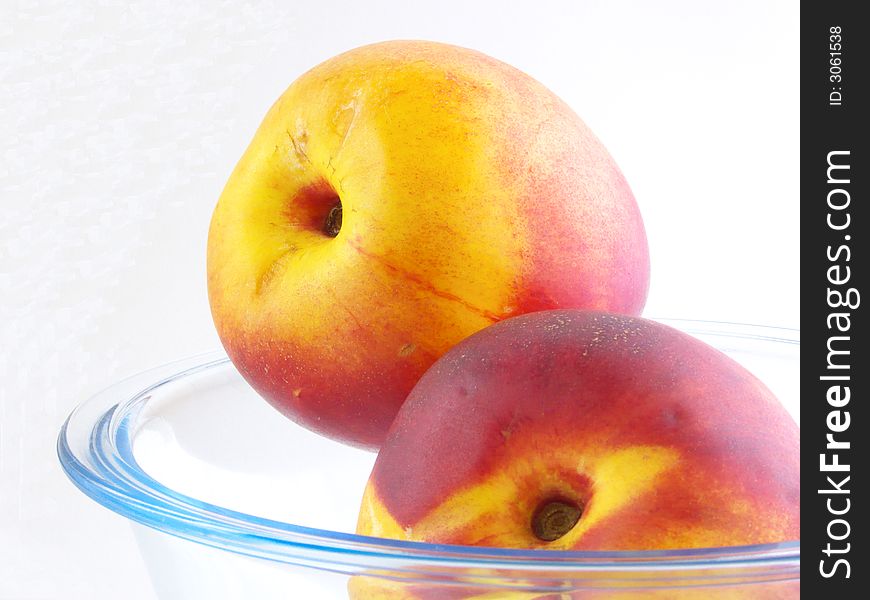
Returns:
point(119, 125)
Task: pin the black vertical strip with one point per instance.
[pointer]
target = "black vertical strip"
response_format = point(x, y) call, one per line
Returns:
point(835, 362)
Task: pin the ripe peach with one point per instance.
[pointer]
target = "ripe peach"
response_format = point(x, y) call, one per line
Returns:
point(583, 430)
point(396, 199)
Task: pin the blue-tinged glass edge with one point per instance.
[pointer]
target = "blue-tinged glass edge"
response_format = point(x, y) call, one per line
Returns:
point(115, 480)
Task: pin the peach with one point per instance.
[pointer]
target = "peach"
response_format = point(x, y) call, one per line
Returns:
point(396, 199)
point(583, 430)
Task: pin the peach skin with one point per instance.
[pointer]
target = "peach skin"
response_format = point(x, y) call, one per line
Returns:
point(581, 430)
point(396, 199)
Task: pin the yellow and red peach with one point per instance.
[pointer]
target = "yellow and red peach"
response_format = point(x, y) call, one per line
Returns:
point(583, 430)
point(396, 199)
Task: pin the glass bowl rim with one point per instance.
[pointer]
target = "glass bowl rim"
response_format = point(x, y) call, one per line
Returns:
point(107, 472)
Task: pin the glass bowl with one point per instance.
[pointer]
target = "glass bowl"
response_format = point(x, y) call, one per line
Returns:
point(229, 499)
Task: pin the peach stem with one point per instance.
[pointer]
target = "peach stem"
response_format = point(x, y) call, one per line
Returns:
point(554, 519)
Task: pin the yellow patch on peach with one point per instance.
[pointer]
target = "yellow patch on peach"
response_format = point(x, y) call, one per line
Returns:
point(499, 497)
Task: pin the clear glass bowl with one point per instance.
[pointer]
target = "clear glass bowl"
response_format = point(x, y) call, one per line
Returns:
point(231, 500)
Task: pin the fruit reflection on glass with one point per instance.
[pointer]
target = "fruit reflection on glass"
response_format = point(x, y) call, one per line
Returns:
point(395, 200)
